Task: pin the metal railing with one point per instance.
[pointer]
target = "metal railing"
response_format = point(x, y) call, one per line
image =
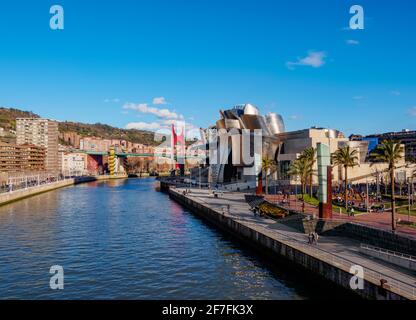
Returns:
point(395, 285)
point(389, 252)
point(20, 183)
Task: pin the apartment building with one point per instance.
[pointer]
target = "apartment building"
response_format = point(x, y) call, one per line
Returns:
point(74, 163)
point(21, 158)
point(42, 133)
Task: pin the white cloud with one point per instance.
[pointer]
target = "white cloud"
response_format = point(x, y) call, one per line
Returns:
point(294, 117)
point(144, 108)
point(395, 93)
point(315, 59)
point(412, 111)
point(159, 101)
point(150, 126)
point(353, 42)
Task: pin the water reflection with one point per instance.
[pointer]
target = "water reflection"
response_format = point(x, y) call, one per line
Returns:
point(121, 239)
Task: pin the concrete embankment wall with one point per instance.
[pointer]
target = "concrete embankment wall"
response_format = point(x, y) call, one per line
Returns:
point(16, 195)
point(272, 246)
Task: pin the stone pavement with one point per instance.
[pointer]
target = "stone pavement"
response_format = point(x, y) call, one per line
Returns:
point(377, 220)
point(339, 251)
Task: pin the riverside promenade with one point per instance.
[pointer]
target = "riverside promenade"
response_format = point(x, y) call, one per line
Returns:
point(19, 194)
point(332, 258)
point(373, 219)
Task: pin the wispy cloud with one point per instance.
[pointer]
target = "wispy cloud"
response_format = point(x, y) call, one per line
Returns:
point(352, 42)
point(115, 100)
point(149, 126)
point(412, 111)
point(159, 101)
point(294, 117)
point(395, 93)
point(145, 108)
point(315, 59)
point(164, 126)
point(358, 98)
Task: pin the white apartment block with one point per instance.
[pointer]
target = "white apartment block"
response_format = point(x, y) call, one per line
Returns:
point(74, 163)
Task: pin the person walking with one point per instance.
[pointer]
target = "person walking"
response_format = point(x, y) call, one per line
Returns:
point(316, 237)
point(310, 238)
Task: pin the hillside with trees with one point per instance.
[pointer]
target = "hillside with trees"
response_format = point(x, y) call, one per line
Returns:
point(8, 123)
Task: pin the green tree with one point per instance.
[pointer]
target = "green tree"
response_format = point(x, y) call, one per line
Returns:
point(347, 158)
point(302, 169)
point(267, 164)
point(390, 152)
point(309, 155)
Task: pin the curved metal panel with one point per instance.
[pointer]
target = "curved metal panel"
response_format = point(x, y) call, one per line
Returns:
point(251, 110)
point(221, 124)
point(275, 123)
point(232, 124)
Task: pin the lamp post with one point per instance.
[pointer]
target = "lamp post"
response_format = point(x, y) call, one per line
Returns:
point(190, 179)
point(367, 199)
point(408, 195)
point(296, 191)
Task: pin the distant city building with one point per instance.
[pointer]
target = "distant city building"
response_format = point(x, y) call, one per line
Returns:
point(74, 163)
point(41, 133)
point(94, 144)
point(71, 138)
point(405, 137)
point(21, 158)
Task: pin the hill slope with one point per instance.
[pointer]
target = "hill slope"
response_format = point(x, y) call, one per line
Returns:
point(8, 122)
point(108, 132)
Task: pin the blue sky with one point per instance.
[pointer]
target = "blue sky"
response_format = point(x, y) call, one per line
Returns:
point(114, 57)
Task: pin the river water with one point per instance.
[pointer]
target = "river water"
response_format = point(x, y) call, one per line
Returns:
point(123, 240)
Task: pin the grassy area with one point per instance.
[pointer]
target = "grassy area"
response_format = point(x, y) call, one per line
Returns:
point(404, 210)
point(308, 199)
point(315, 202)
point(407, 224)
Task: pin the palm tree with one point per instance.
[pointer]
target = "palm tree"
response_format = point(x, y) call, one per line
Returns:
point(267, 164)
point(309, 155)
point(347, 158)
point(301, 168)
point(390, 152)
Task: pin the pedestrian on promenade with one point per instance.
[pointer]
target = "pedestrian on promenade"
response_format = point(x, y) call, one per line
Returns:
point(310, 238)
point(316, 237)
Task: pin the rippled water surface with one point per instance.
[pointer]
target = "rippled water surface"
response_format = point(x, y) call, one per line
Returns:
point(123, 240)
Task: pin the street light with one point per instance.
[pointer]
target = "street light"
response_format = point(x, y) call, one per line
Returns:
point(408, 195)
point(367, 200)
